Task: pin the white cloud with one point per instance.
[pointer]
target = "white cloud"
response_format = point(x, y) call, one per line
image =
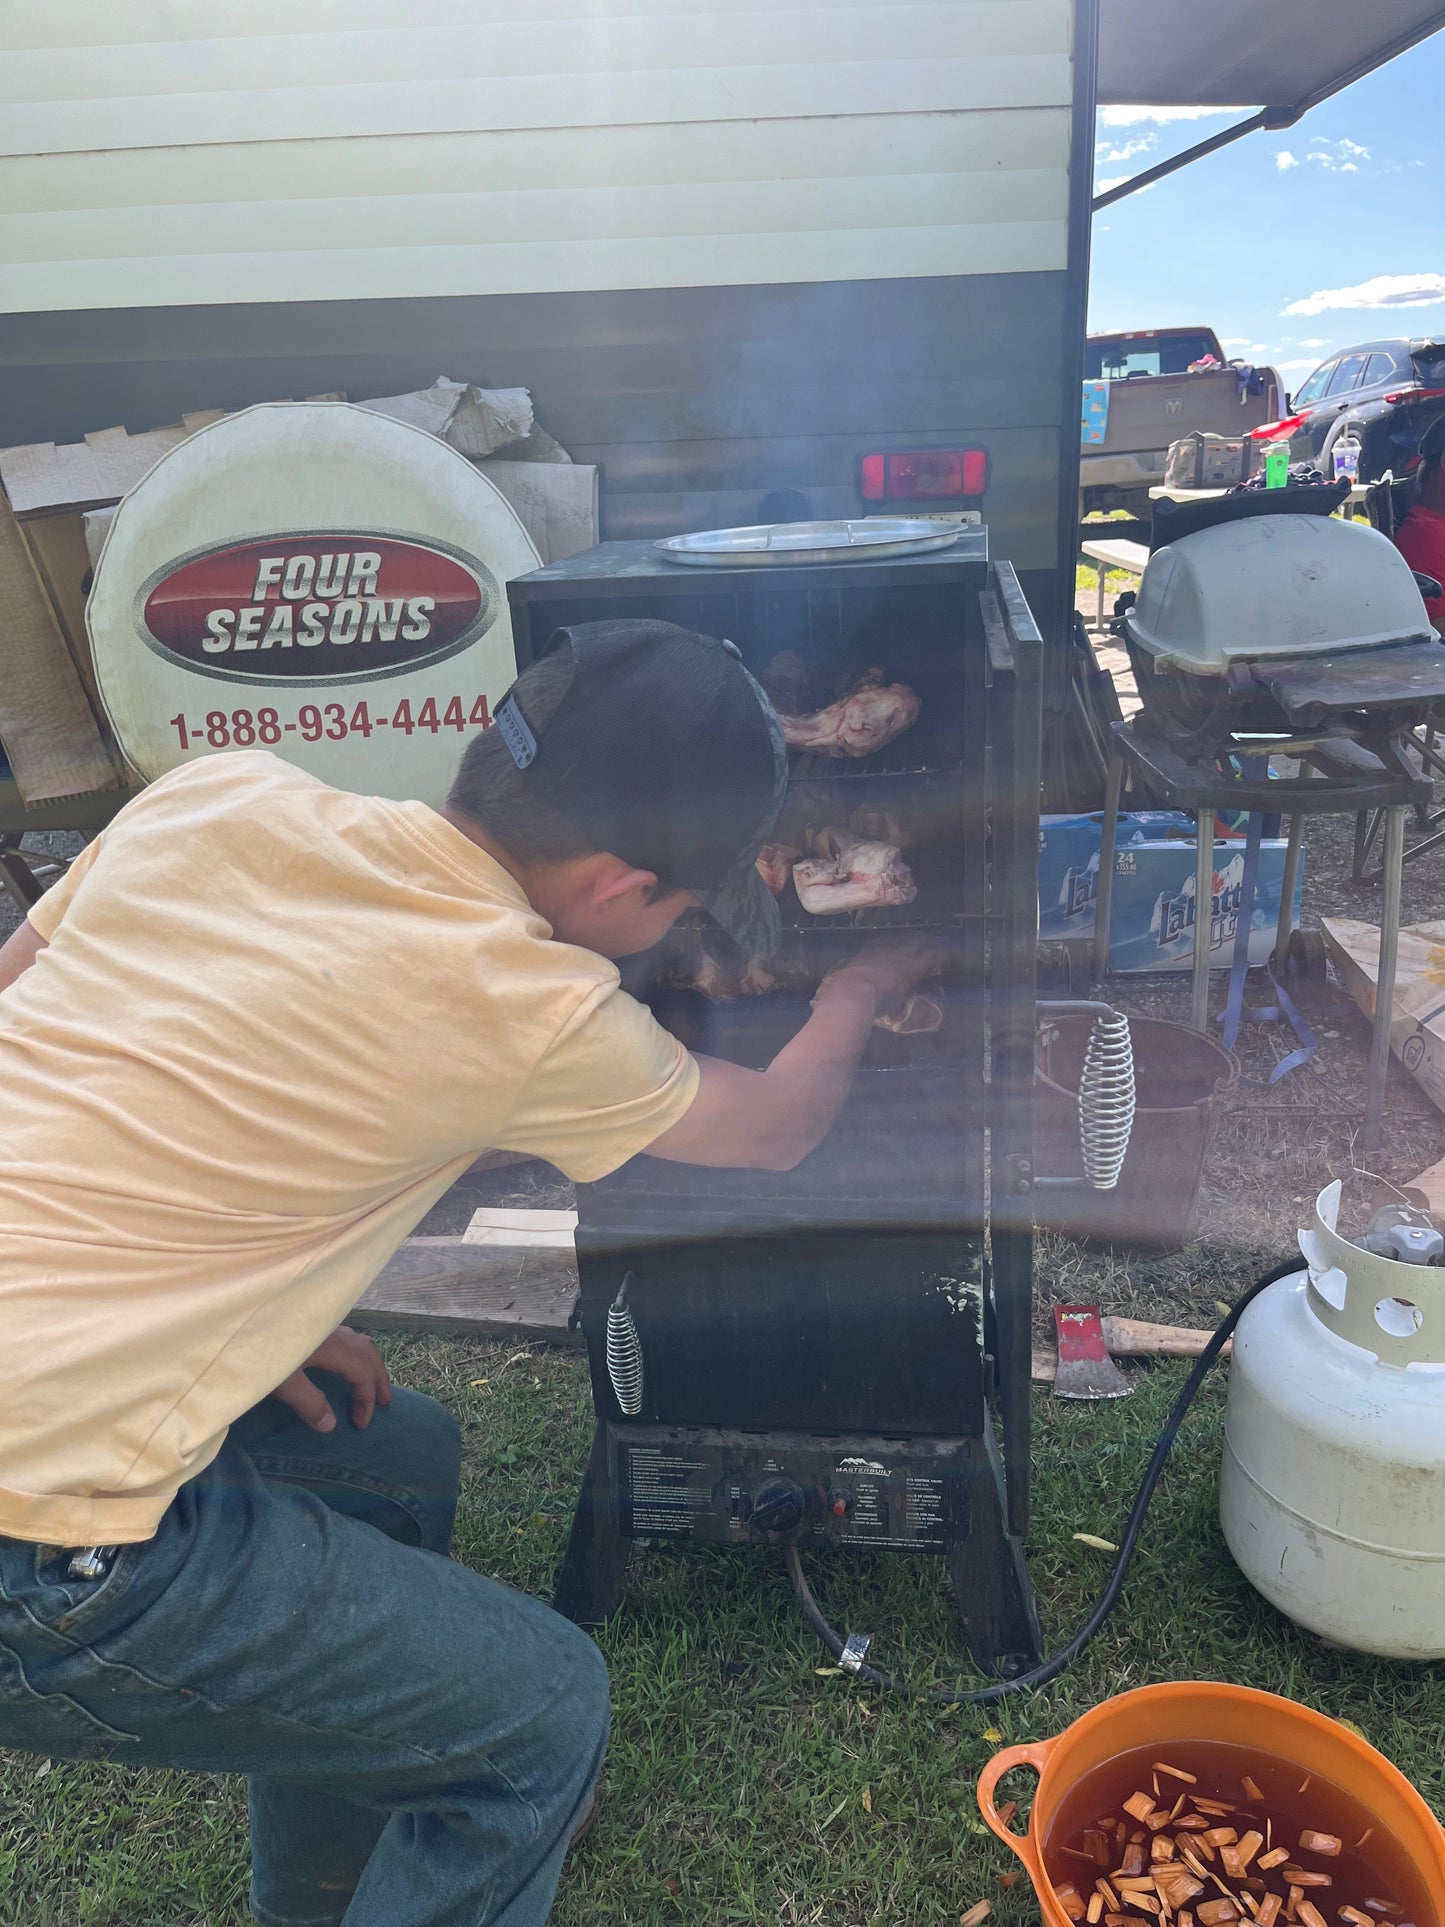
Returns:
point(1134, 116)
point(1143, 145)
point(1337, 157)
point(1118, 180)
point(1295, 367)
point(1284, 159)
point(1380, 291)
point(1234, 341)
point(1316, 341)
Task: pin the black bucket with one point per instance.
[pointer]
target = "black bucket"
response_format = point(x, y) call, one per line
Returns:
point(1182, 1082)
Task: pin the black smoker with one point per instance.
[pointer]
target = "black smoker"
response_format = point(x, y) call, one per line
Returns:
point(814, 1354)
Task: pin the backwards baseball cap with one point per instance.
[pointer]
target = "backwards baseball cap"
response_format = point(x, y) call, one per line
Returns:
point(665, 752)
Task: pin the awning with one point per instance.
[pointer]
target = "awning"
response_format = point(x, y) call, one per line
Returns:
point(1282, 55)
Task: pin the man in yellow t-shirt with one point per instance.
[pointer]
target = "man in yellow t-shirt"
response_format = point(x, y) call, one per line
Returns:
point(253, 1035)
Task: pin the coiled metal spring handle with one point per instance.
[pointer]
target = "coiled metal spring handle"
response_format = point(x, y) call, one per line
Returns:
point(624, 1352)
point(1106, 1092)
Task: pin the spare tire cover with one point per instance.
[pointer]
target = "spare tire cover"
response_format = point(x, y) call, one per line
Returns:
point(313, 579)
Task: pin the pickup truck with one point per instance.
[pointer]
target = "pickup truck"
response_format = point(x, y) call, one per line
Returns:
point(1161, 383)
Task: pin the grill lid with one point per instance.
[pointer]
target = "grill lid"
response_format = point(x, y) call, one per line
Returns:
point(1277, 585)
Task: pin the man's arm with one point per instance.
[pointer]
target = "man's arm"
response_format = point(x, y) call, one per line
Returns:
point(17, 953)
point(770, 1120)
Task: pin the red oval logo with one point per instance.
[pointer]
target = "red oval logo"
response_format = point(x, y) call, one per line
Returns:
point(337, 606)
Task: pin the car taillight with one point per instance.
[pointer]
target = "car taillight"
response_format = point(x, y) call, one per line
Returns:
point(1414, 394)
point(923, 475)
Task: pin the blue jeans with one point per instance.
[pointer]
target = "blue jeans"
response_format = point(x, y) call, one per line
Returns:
point(420, 1741)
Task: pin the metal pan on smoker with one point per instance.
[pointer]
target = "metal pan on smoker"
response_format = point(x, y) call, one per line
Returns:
point(789, 544)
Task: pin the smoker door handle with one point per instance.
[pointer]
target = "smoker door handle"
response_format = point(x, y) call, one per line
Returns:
point(995, 635)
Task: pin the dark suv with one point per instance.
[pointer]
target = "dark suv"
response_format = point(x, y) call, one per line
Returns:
point(1384, 393)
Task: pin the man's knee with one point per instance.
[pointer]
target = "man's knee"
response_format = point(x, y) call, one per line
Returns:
point(426, 1431)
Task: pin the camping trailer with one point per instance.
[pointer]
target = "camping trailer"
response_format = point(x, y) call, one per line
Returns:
point(729, 251)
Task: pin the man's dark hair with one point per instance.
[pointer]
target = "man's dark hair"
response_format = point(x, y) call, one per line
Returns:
point(490, 788)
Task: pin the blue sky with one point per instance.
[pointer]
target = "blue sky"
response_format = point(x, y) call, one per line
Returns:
point(1290, 245)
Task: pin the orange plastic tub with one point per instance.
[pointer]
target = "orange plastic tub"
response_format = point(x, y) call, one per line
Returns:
point(1174, 1715)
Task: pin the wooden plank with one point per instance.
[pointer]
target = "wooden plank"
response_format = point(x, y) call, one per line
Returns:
point(475, 1287)
point(448, 1286)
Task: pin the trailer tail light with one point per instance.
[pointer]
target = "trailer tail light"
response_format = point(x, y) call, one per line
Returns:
point(923, 475)
point(1414, 394)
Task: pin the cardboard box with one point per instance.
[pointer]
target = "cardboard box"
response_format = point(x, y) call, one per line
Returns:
point(1151, 924)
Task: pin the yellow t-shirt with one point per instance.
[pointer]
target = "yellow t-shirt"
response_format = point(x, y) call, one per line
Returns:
point(274, 1023)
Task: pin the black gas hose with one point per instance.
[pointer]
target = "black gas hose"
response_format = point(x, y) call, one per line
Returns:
point(1108, 1599)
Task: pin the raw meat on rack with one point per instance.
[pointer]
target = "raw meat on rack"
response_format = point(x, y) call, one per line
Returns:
point(859, 723)
point(848, 873)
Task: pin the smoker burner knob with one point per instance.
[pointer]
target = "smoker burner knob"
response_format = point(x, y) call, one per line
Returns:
point(840, 1503)
point(778, 1506)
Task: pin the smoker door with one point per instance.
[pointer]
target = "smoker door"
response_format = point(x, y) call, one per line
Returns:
point(820, 1331)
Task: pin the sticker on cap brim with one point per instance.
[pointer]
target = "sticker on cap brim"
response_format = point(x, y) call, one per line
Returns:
point(325, 607)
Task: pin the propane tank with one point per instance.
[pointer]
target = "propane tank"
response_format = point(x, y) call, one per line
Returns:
point(1332, 1497)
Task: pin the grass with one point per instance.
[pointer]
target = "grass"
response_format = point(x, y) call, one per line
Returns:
point(743, 1785)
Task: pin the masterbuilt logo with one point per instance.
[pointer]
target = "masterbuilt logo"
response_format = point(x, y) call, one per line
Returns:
point(331, 607)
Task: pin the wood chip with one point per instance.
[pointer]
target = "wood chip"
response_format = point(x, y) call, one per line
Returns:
point(1201, 1845)
point(1194, 1823)
point(1252, 1789)
point(1009, 1879)
point(1133, 1861)
point(1327, 1845)
point(1251, 1903)
point(1006, 1812)
point(1220, 1836)
point(1363, 1838)
point(1191, 1859)
point(976, 1915)
point(1306, 1783)
point(1249, 1845)
point(1140, 1805)
point(1146, 1903)
point(1304, 1877)
point(1310, 1915)
point(1385, 1907)
point(1176, 1773)
point(1178, 1806)
point(1216, 1913)
point(1269, 1909)
point(1212, 1806)
point(1276, 1857)
point(1160, 1817)
point(1117, 1920)
point(1161, 1847)
point(1291, 1906)
point(1071, 1900)
point(1135, 1883)
point(1178, 1885)
point(1232, 1864)
point(1095, 1911)
point(1099, 1846)
point(1186, 1919)
point(1355, 1918)
point(1111, 1899)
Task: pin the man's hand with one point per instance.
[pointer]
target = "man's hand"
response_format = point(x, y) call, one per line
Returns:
point(771, 1120)
point(352, 1356)
point(888, 967)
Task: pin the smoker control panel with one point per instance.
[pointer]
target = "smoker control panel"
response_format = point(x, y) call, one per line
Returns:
point(748, 1487)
